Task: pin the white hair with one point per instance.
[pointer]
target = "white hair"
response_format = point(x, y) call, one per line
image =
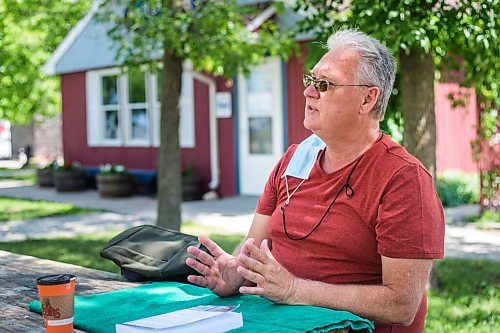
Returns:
point(376, 64)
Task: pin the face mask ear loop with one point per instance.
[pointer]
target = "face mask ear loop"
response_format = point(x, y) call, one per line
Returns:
point(288, 195)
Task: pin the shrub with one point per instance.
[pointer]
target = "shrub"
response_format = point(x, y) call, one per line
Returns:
point(68, 165)
point(457, 188)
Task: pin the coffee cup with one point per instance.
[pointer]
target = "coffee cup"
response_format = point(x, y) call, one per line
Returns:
point(57, 300)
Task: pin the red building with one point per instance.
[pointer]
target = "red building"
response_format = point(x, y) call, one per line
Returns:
point(231, 132)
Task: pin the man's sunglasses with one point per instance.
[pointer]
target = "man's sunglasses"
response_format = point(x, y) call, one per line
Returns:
point(322, 85)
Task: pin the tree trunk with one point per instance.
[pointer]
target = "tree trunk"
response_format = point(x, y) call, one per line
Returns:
point(169, 173)
point(417, 92)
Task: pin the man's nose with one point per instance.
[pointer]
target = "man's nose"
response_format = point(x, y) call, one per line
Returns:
point(310, 91)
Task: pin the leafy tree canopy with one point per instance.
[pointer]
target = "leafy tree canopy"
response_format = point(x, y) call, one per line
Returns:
point(467, 29)
point(30, 30)
point(212, 34)
point(458, 35)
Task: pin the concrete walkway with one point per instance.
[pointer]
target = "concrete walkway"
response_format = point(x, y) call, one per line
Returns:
point(227, 215)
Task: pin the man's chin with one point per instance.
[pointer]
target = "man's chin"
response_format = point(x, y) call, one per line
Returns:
point(309, 125)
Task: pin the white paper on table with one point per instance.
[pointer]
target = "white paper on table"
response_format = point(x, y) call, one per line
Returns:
point(184, 317)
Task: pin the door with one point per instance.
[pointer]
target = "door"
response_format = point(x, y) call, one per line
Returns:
point(260, 125)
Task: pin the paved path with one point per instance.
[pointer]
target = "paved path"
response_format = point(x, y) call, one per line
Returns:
point(230, 215)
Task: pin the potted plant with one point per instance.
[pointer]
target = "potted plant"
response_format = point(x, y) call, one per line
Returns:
point(190, 184)
point(113, 181)
point(45, 175)
point(69, 177)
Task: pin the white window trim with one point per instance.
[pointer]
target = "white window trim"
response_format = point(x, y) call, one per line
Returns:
point(95, 116)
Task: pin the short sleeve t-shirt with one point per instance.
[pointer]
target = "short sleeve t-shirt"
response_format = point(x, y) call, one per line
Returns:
point(393, 211)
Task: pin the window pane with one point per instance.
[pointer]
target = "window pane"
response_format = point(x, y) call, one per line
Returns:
point(261, 140)
point(110, 90)
point(139, 124)
point(111, 125)
point(136, 86)
point(159, 85)
point(259, 93)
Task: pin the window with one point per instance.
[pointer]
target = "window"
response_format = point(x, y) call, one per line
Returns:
point(138, 107)
point(110, 106)
point(123, 108)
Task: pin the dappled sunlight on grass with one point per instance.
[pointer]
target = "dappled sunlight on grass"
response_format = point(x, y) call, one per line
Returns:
point(80, 250)
point(84, 250)
point(227, 241)
point(23, 209)
point(468, 297)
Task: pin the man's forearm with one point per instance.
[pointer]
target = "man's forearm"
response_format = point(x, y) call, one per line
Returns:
point(375, 302)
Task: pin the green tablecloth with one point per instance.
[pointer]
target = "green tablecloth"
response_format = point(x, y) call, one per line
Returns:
point(100, 312)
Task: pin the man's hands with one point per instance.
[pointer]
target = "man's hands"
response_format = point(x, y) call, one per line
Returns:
point(272, 280)
point(218, 270)
point(225, 274)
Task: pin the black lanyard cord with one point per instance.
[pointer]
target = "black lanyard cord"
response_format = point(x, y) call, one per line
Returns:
point(349, 191)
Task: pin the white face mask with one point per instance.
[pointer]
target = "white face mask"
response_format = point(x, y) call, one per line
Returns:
point(304, 157)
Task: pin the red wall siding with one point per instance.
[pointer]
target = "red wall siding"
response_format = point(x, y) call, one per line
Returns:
point(295, 99)
point(199, 156)
point(75, 134)
point(227, 158)
point(455, 129)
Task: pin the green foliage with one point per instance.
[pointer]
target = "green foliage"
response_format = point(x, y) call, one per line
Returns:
point(23, 209)
point(486, 217)
point(212, 34)
point(457, 188)
point(30, 30)
point(460, 35)
point(467, 299)
point(49, 165)
point(68, 165)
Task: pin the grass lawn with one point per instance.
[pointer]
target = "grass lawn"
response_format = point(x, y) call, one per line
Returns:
point(84, 250)
point(24, 209)
point(29, 177)
point(18, 174)
point(468, 297)
point(467, 300)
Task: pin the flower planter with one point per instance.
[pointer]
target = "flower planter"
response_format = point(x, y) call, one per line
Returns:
point(45, 177)
point(114, 185)
point(69, 180)
point(191, 188)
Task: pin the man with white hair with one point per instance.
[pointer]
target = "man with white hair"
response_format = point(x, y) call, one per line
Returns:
point(348, 220)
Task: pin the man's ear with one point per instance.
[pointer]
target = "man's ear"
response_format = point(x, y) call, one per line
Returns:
point(371, 96)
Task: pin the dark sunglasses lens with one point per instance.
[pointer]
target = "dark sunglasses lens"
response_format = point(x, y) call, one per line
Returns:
point(321, 85)
point(306, 80)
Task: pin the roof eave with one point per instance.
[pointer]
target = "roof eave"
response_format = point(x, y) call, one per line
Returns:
point(49, 68)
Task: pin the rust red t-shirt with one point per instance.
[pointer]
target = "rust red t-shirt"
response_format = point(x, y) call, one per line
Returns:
point(393, 212)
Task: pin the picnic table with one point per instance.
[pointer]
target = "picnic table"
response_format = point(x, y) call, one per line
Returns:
point(18, 275)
